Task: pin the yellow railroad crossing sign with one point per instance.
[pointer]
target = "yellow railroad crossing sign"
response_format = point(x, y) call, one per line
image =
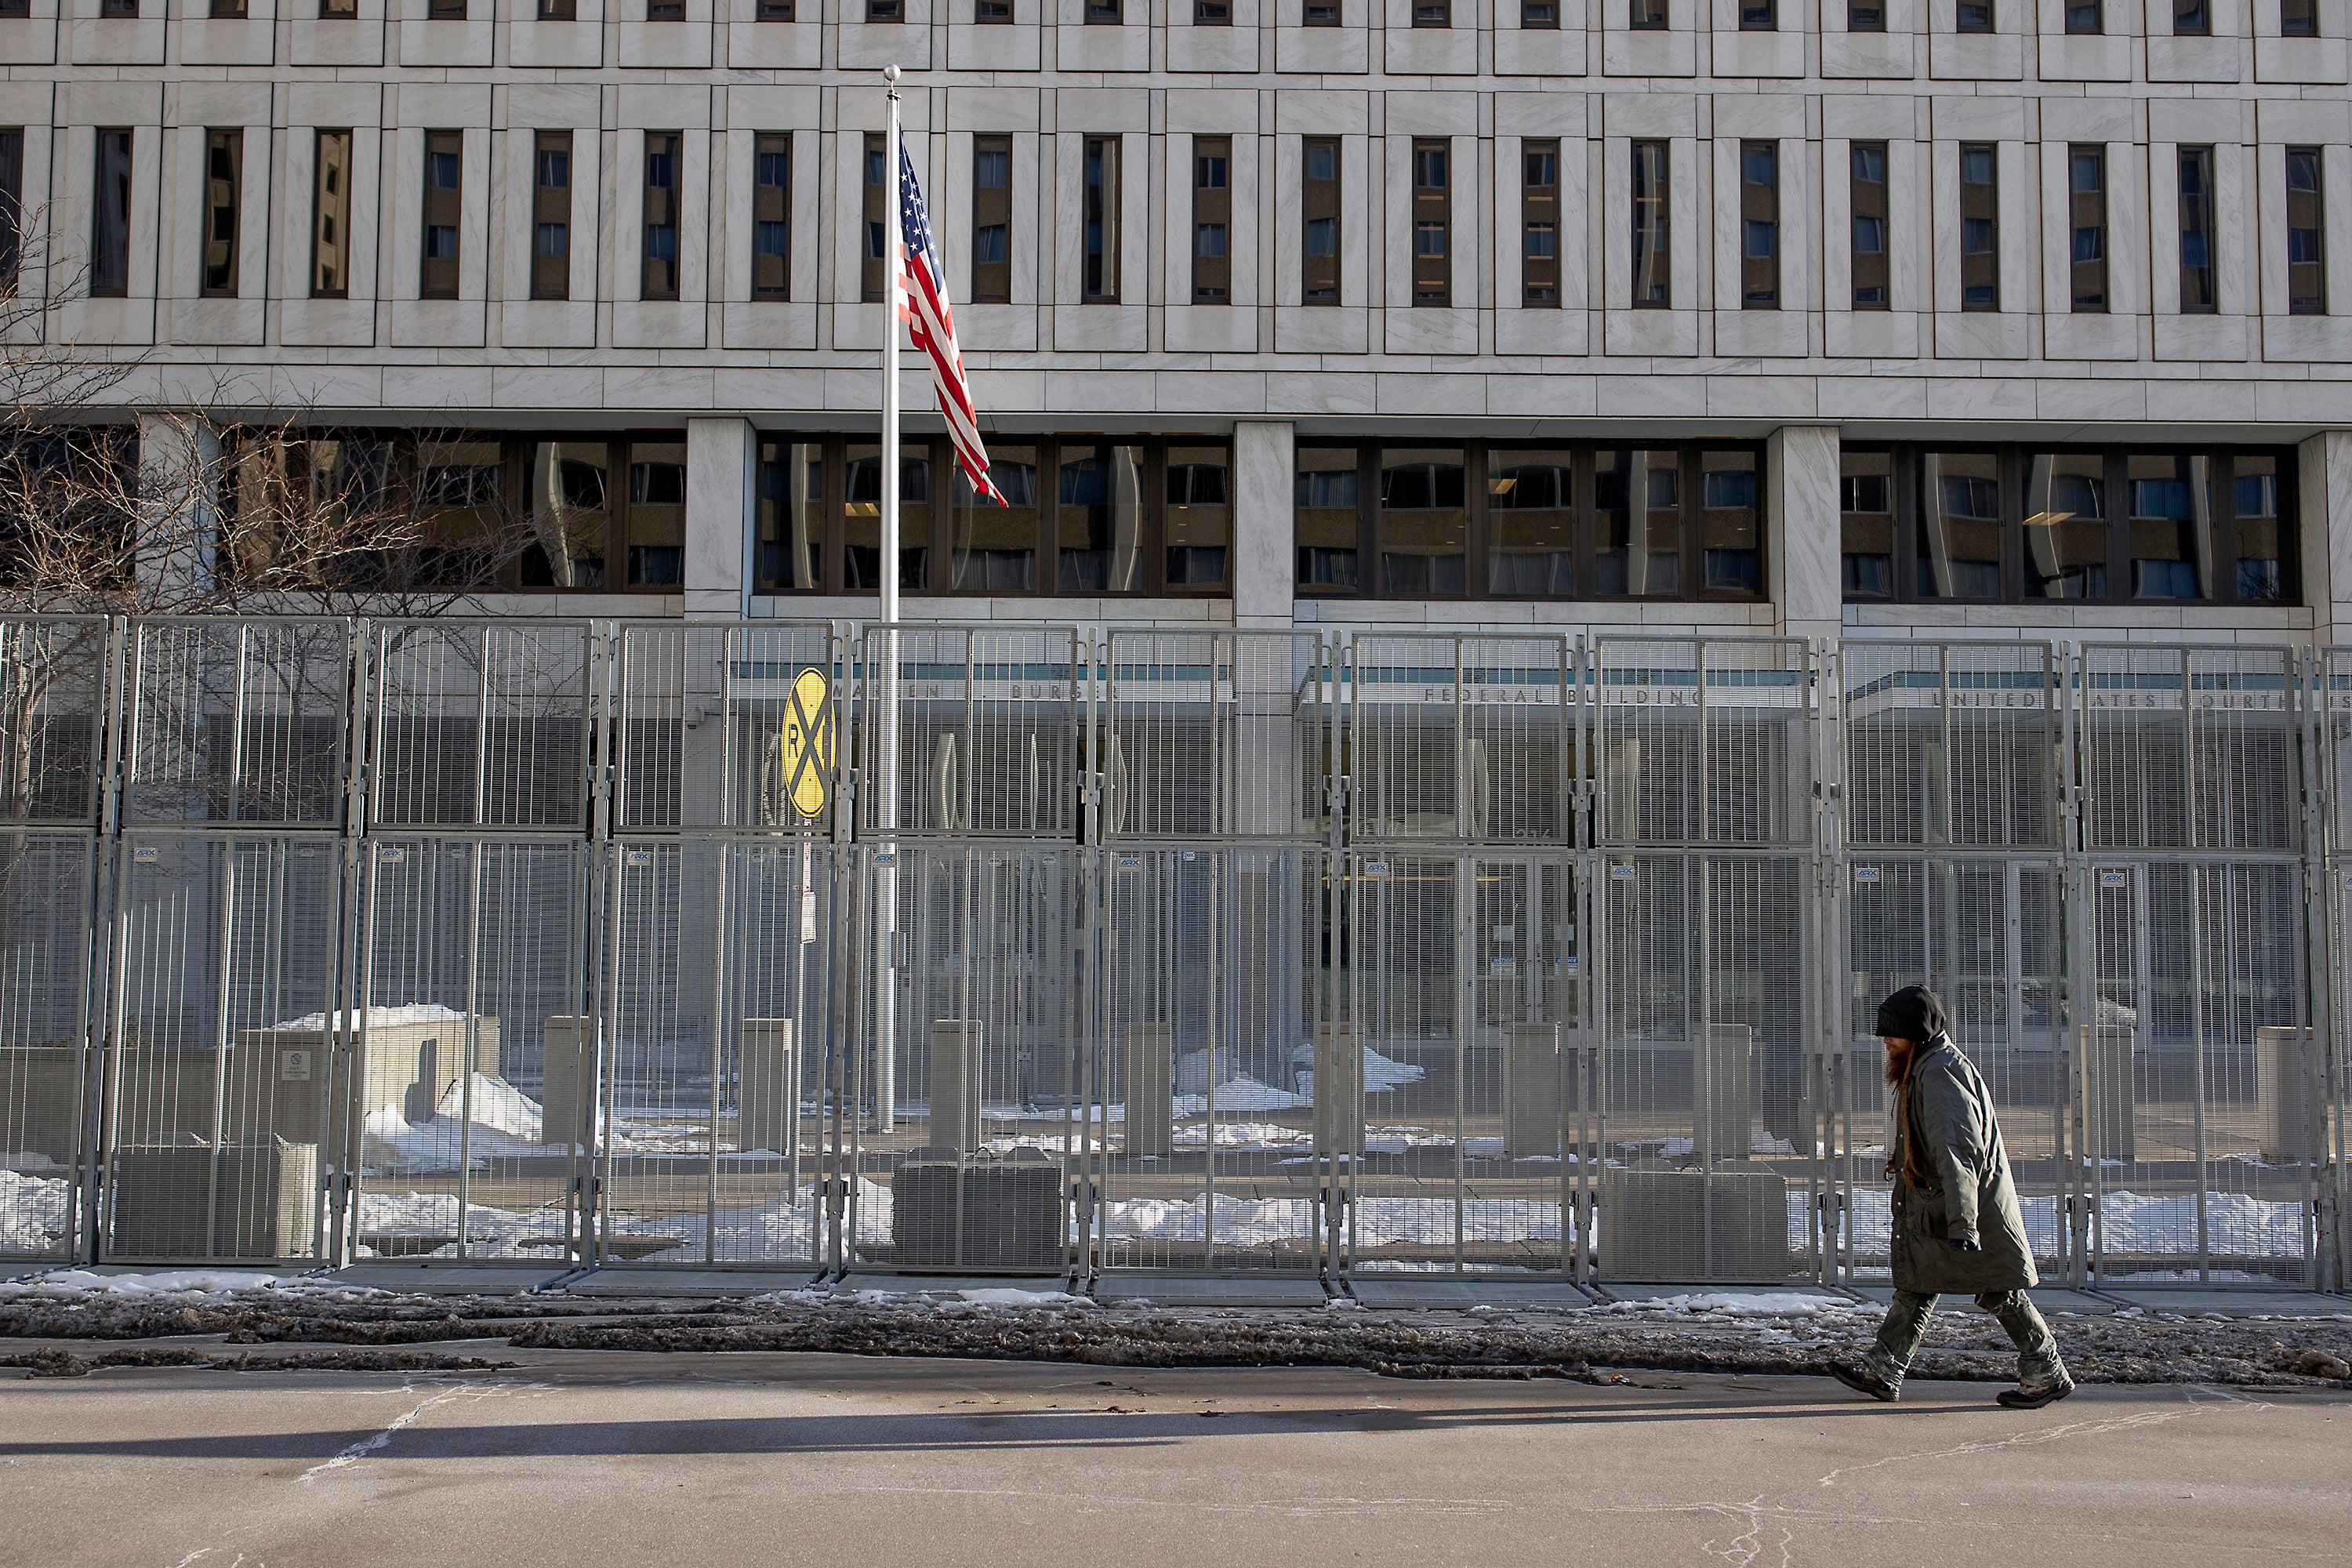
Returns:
point(804, 745)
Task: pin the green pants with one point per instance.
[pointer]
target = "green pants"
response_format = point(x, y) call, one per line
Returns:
point(2038, 1364)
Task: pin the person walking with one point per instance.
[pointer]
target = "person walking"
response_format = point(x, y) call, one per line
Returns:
point(1956, 1226)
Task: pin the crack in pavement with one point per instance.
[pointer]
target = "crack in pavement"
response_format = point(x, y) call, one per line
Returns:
point(2015, 1440)
point(366, 1445)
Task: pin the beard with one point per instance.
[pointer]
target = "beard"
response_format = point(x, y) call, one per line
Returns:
point(1898, 1060)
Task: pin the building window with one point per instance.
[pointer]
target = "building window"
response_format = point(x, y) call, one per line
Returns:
point(1539, 224)
point(771, 215)
point(12, 204)
point(15, 10)
point(1213, 13)
point(2192, 19)
point(2198, 294)
point(1652, 277)
point(1319, 215)
point(654, 525)
point(1866, 523)
point(1432, 221)
point(1104, 13)
point(338, 10)
point(1865, 15)
point(992, 13)
point(1867, 160)
point(330, 215)
point(444, 159)
point(873, 277)
point(789, 517)
point(1759, 16)
point(1319, 13)
point(2065, 528)
point(1538, 15)
point(1646, 16)
point(1099, 517)
point(124, 9)
point(2089, 525)
point(665, 10)
point(2258, 543)
point(2081, 17)
point(227, 10)
point(224, 184)
point(1980, 227)
point(1565, 521)
point(1972, 15)
point(1099, 284)
point(569, 498)
point(861, 517)
point(2306, 243)
point(1432, 12)
point(109, 213)
point(886, 12)
point(1212, 216)
point(1130, 516)
point(558, 10)
point(774, 11)
point(658, 277)
point(444, 10)
point(2086, 186)
point(1760, 226)
point(550, 216)
point(992, 220)
point(2299, 18)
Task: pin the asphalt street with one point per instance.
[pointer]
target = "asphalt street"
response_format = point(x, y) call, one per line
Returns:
point(608, 1458)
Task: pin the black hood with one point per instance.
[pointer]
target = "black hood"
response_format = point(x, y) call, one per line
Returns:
point(1914, 1013)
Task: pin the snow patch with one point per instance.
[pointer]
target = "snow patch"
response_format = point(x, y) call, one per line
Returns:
point(32, 1212)
point(376, 1017)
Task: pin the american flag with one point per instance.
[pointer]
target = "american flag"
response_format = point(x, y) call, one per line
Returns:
point(923, 306)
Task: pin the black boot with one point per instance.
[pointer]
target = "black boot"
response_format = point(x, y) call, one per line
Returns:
point(1862, 1378)
point(2035, 1397)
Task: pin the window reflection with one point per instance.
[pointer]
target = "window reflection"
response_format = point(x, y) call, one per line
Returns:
point(995, 547)
point(2171, 518)
point(1425, 522)
point(2256, 502)
point(1531, 523)
point(791, 519)
point(1099, 519)
point(1866, 523)
point(2066, 526)
point(569, 520)
point(1727, 522)
point(1325, 517)
point(861, 521)
point(1639, 497)
point(1198, 528)
point(1959, 525)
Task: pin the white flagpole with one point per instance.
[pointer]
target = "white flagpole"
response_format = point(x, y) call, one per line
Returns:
point(885, 761)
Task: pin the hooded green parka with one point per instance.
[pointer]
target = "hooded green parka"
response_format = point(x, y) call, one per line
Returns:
point(1947, 1132)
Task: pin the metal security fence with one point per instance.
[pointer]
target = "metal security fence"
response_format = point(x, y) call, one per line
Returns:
point(986, 950)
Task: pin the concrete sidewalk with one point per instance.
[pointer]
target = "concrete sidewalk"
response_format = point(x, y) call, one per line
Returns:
point(628, 1458)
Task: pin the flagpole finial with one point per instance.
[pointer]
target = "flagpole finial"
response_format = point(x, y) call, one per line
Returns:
point(890, 75)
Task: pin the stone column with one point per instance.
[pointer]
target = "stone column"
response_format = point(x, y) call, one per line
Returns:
point(1803, 572)
point(2323, 524)
point(179, 454)
point(1264, 570)
point(721, 456)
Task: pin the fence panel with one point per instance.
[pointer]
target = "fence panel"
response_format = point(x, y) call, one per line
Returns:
point(45, 1060)
point(1984, 932)
point(1707, 999)
point(986, 731)
point(1468, 739)
point(1951, 743)
point(475, 1063)
point(1218, 1024)
point(1464, 987)
point(719, 1009)
point(1701, 741)
point(237, 721)
point(728, 726)
point(1214, 734)
point(481, 725)
point(53, 686)
point(222, 1130)
point(969, 1091)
